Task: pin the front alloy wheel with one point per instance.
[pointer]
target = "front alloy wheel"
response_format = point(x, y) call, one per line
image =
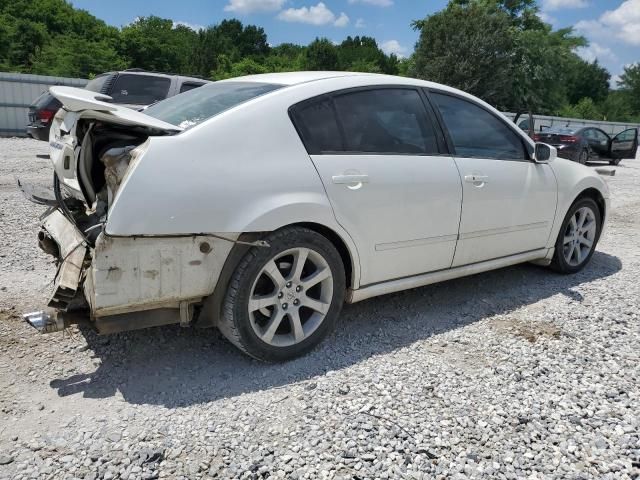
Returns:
point(284, 299)
point(578, 237)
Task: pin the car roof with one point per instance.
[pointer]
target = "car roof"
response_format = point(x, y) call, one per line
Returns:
point(296, 78)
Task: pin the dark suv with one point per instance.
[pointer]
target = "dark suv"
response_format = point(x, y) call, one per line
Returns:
point(133, 88)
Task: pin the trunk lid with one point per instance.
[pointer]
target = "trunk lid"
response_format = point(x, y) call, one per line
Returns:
point(70, 145)
point(81, 100)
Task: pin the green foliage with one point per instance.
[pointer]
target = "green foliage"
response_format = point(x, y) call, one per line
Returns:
point(153, 44)
point(585, 108)
point(321, 55)
point(586, 80)
point(629, 83)
point(71, 56)
point(501, 51)
point(468, 45)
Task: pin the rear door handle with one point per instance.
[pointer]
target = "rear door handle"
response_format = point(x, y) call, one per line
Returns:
point(349, 179)
point(476, 178)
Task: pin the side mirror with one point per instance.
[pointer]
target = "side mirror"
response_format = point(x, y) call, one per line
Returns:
point(545, 153)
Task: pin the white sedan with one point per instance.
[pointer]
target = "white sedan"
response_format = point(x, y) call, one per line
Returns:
point(261, 204)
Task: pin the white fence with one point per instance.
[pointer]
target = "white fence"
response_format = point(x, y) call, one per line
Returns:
point(17, 92)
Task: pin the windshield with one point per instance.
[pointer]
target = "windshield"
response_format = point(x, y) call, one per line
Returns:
point(195, 106)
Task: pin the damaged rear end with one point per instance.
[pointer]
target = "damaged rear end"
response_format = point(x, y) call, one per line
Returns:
point(94, 145)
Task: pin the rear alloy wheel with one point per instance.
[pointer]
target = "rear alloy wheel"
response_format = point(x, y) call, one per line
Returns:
point(583, 157)
point(283, 300)
point(578, 237)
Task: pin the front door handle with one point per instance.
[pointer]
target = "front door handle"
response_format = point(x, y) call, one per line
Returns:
point(476, 178)
point(349, 179)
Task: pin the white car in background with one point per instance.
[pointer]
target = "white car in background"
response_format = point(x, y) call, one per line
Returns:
point(260, 204)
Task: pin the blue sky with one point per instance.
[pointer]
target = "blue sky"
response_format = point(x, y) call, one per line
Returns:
point(612, 26)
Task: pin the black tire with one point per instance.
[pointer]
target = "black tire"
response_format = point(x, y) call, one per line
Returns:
point(614, 161)
point(559, 262)
point(235, 322)
point(583, 157)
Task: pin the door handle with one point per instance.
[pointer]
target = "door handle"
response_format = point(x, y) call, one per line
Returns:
point(476, 178)
point(349, 179)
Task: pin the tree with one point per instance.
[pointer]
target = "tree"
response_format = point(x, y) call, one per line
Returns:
point(585, 108)
point(468, 46)
point(71, 56)
point(153, 43)
point(616, 107)
point(586, 80)
point(321, 55)
point(498, 50)
point(629, 83)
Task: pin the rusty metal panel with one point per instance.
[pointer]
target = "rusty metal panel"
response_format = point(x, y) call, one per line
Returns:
point(18, 91)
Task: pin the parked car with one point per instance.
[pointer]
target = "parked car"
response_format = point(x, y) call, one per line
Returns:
point(260, 204)
point(590, 143)
point(132, 88)
point(40, 113)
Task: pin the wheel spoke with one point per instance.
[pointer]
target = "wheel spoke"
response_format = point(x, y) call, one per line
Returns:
point(586, 241)
point(578, 252)
point(262, 301)
point(296, 325)
point(272, 270)
point(272, 326)
point(300, 258)
point(314, 304)
point(317, 277)
point(582, 216)
point(567, 239)
point(573, 224)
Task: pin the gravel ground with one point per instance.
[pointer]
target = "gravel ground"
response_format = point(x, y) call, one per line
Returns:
point(518, 373)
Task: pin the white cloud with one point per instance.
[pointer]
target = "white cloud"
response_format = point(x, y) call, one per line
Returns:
point(314, 15)
point(360, 23)
point(251, 6)
point(342, 20)
point(377, 3)
point(192, 26)
point(549, 5)
point(393, 47)
point(623, 23)
point(625, 20)
point(596, 51)
point(545, 17)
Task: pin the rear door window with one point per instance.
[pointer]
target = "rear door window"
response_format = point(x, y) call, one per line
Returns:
point(390, 121)
point(318, 127)
point(139, 89)
point(476, 132)
point(385, 121)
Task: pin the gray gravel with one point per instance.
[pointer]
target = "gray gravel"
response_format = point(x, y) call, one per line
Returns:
point(518, 373)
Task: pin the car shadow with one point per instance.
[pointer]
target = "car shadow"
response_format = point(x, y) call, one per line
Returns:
point(175, 367)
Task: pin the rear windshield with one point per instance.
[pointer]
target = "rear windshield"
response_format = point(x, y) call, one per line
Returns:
point(46, 101)
point(195, 106)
